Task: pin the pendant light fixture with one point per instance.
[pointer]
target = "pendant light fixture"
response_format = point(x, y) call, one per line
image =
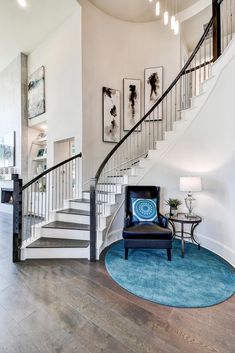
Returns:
point(22, 3)
point(173, 16)
point(166, 16)
point(157, 8)
point(176, 29)
point(176, 26)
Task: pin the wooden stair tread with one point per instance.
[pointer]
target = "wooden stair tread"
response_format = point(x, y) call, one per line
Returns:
point(100, 191)
point(67, 225)
point(44, 242)
point(80, 200)
point(83, 201)
point(74, 211)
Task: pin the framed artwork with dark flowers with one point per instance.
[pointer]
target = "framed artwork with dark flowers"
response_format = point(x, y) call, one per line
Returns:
point(132, 103)
point(111, 115)
point(153, 87)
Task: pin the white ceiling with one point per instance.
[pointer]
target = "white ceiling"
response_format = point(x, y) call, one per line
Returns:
point(23, 29)
point(137, 10)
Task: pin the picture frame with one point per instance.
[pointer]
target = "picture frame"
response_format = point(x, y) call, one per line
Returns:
point(7, 150)
point(111, 106)
point(36, 93)
point(41, 153)
point(131, 103)
point(153, 90)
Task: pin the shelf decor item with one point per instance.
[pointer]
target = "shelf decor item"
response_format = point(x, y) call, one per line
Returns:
point(174, 204)
point(41, 153)
point(36, 93)
point(190, 185)
point(132, 103)
point(111, 115)
point(153, 89)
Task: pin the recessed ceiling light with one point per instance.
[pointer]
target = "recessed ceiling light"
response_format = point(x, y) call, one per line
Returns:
point(22, 3)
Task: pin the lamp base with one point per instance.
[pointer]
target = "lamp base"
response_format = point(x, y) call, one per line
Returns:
point(189, 202)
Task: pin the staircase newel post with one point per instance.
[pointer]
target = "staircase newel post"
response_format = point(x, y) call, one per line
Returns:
point(216, 29)
point(93, 221)
point(17, 217)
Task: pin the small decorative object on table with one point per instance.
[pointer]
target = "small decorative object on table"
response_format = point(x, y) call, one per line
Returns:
point(174, 204)
point(190, 184)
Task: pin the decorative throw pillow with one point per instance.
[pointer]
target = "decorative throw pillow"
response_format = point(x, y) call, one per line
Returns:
point(144, 210)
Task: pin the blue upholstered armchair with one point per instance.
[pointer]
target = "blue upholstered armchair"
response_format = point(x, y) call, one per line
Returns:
point(144, 226)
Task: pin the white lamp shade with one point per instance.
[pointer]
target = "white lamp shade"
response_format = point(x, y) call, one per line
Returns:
point(190, 184)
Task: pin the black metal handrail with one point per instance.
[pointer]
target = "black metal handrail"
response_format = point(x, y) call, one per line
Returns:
point(182, 72)
point(137, 143)
point(34, 202)
point(38, 177)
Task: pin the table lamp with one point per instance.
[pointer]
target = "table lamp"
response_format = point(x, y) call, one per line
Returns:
point(190, 185)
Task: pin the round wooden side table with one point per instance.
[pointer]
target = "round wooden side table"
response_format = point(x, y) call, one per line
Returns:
point(182, 219)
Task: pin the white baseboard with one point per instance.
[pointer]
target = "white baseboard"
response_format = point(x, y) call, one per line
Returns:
point(55, 253)
point(112, 238)
point(218, 248)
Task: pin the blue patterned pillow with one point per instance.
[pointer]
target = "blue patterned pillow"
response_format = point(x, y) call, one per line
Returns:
point(144, 210)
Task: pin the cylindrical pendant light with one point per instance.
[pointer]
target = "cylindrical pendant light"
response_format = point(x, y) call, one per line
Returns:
point(157, 8)
point(166, 17)
point(176, 29)
point(173, 22)
point(166, 14)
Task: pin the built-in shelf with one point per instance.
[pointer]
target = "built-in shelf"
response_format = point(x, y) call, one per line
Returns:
point(40, 142)
point(38, 159)
point(6, 177)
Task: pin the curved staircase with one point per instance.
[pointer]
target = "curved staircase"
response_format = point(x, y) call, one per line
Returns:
point(59, 220)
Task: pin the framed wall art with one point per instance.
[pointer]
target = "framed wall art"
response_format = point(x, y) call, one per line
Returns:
point(7, 150)
point(36, 93)
point(111, 115)
point(132, 103)
point(153, 89)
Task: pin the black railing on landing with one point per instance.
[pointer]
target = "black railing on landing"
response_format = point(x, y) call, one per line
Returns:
point(141, 138)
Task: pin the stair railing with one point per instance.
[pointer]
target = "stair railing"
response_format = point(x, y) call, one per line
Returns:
point(36, 202)
point(144, 136)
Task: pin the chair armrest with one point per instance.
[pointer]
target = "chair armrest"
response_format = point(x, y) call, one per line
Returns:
point(163, 220)
point(127, 222)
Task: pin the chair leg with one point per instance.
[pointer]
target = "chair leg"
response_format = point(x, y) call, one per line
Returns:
point(169, 254)
point(126, 253)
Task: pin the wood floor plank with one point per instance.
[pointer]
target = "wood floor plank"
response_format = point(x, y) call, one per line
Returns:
point(73, 306)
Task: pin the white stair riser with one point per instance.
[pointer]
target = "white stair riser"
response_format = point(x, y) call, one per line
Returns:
point(67, 217)
point(118, 180)
point(78, 205)
point(116, 189)
point(125, 180)
point(110, 198)
point(136, 171)
point(55, 253)
point(145, 162)
point(65, 233)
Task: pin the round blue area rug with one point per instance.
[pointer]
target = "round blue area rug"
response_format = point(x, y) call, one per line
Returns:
point(200, 279)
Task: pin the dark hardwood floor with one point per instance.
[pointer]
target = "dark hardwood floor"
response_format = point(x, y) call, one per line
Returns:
point(71, 306)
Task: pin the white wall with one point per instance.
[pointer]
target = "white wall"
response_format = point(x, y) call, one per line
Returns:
point(12, 114)
point(207, 149)
point(113, 50)
point(60, 53)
